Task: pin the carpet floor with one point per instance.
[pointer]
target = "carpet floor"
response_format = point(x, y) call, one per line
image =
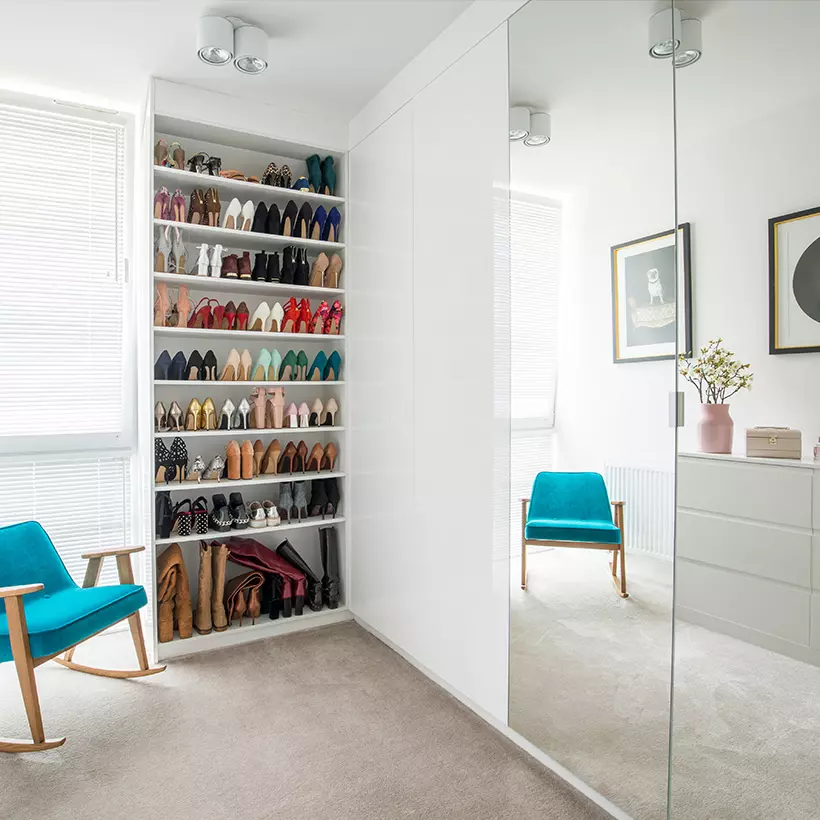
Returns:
point(329, 724)
point(590, 682)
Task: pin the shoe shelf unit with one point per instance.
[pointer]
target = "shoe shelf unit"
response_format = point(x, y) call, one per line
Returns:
point(247, 240)
point(250, 154)
point(271, 289)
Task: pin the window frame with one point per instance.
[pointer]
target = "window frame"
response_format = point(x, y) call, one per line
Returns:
point(125, 441)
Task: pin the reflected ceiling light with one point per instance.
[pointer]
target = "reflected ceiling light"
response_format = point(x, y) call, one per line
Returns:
point(664, 33)
point(215, 40)
point(540, 129)
point(519, 123)
point(691, 43)
point(251, 47)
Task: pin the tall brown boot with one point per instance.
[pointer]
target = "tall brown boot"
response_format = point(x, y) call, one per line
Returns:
point(220, 559)
point(203, 622)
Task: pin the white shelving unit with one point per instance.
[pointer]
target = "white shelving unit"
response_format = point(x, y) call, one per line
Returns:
point(234, 149)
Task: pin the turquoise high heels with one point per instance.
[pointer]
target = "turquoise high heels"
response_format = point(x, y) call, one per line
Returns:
point(262, 367)
point(275, 365)
point(317, 369)
point(333, 368)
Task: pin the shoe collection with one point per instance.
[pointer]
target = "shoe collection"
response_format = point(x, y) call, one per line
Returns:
point(270, 365)
point(244, 462)
point(292, 501)
point(266, 412)
point(171, 256)
point(321, 173)
point(205, 208)
point(279, 582)
point(208, 314)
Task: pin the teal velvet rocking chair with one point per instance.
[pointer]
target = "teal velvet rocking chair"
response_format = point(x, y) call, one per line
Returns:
point(43, 614)
point(572, 510)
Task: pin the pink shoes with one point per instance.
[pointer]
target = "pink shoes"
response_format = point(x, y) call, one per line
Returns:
point(162, 203)
point(161, 305)
point(334, 319)
point(177, 206)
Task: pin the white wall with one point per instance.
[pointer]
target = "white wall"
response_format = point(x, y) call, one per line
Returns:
point(746, 135)
point(425, 468)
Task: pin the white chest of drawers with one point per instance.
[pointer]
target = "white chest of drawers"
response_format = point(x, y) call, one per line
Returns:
point(748, 550)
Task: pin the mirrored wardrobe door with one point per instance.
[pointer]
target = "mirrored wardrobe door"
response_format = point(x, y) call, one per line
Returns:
point(593, 327)
point(746, 722)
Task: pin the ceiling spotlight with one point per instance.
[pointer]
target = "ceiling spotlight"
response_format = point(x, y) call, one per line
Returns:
point(215, 40)
point(519, 123)
point(251, 47)
point(691, 43)
point(540, 129)
point(664, 33)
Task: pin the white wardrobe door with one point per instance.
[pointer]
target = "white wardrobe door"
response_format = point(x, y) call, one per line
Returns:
point(460, 183)
point(380, 377)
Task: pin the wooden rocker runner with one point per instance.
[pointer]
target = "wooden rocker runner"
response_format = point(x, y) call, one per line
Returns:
point(58, 616)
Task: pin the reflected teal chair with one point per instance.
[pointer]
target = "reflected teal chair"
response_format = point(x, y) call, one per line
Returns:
point(43, 613)
point(572, 510)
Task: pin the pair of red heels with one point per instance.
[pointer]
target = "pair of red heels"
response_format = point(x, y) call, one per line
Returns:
point(214, 316)
point(298, 318)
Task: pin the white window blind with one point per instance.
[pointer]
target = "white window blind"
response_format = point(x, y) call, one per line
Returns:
point(82, 503)
point(535, 266)
point(62, 282)
point(66, 438)
point(535, 236)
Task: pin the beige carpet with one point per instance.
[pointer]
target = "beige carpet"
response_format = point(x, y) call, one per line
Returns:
point(329, 724)
point(589, 685)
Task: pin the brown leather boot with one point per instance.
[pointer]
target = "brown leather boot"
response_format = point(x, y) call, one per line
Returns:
point(220, 559)
point(202, 622)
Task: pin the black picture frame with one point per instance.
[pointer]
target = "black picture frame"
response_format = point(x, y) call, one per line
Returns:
point(775, 349)
point(684, 229)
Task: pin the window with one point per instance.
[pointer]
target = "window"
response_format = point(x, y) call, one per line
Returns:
point(66, 408)
point(535, 238)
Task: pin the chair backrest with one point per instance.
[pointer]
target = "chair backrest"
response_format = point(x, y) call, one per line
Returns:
point(570, 496)
point(27, 556)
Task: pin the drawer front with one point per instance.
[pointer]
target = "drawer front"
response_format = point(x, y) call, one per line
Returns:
point(777, 495)
point(757, 603)
point(765, 550)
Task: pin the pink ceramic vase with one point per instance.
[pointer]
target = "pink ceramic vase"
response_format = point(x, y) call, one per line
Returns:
point(715, 429)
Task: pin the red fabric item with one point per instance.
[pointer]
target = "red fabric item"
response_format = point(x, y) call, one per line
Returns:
point(250, 553)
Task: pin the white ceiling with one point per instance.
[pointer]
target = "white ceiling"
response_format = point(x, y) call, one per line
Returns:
point(327, 56)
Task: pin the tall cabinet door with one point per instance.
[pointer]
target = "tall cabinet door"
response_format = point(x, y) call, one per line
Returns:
point(461, 344)
point(380, 376)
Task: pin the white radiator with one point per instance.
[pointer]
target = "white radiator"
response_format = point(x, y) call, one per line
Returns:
point(649, 494)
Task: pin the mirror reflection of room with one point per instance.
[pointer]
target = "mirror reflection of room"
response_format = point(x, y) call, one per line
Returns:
point(746, 722)
point(594, 309)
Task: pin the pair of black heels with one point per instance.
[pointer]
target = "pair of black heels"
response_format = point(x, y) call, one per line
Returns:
point(202, 163)
point(294, 268)
point(170, 465)
point(193, 368)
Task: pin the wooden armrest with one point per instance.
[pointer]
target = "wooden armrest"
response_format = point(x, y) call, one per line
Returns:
point(24, 589)
point(114, 552)
point(618, 503)
point(525, 499)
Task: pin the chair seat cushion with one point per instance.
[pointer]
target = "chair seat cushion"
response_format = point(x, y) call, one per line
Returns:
point(60, 620)
point(556, 529)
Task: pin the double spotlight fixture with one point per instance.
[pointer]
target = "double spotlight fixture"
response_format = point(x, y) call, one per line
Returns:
point(533, 127)
point(670, 35)
point(221, 40)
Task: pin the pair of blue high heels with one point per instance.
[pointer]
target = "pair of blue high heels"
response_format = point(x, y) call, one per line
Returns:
point(324, 225)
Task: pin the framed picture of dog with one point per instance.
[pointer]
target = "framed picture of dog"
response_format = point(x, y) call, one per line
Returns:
point(652, 297)
point(794, 282)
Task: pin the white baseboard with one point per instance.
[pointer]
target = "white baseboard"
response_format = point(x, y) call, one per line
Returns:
point(520, 741)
